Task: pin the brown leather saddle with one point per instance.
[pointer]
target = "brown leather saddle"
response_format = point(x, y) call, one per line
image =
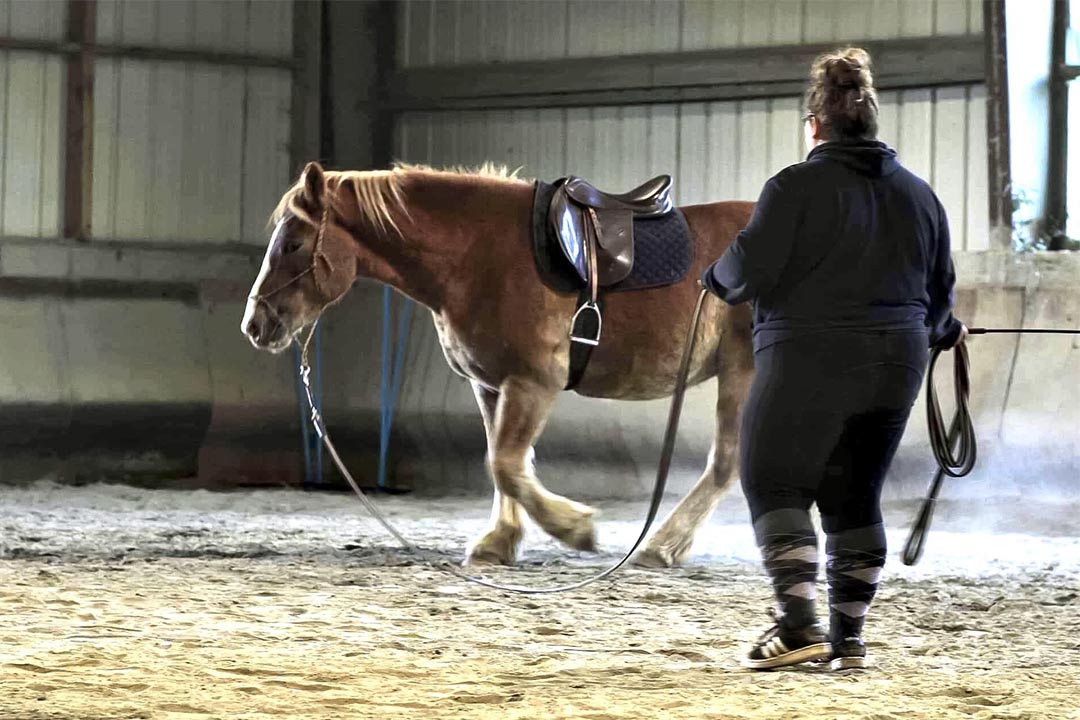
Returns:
point(595, 231)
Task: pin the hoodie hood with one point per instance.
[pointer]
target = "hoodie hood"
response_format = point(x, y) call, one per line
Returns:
point(871, 158)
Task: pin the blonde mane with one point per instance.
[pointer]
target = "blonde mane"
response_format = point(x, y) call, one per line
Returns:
point(379, 192)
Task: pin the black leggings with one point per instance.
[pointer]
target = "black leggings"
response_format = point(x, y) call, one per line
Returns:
point(823, 420)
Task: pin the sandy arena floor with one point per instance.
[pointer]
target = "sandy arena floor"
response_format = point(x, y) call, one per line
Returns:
point(125, 603)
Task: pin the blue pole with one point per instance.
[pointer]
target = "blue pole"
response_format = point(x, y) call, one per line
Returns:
point(384, 390)
point(392, 373)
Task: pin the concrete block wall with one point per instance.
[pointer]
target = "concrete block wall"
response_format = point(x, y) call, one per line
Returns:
point(122, 363)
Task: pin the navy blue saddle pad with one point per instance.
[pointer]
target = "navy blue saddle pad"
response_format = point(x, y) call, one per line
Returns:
point(663, 249)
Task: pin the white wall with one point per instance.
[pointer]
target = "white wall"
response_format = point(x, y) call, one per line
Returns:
point(715, 151)
point(191, 151)
point(31, 87)
point(189, 158)
point(439, 32)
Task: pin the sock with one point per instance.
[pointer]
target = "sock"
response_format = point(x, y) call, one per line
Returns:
point(855, 560)
point(788, 545)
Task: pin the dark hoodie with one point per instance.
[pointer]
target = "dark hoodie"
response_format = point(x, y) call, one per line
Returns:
point(848, 239)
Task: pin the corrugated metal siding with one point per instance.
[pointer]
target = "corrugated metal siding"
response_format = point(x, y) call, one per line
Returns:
point(715, 151)
point(30, 97)
point(190, 151)
point(440, 32)
point(238, 26)
point(33, 19)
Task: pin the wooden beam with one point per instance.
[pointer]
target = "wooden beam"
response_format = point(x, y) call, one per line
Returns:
point(141, 52)
point(730, 73)
point(997, 124)
point(79, 121)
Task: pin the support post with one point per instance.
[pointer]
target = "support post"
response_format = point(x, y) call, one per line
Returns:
point(307, 84)
point(361, 39)
point(997, 125)
point(79, 120)
point(1057, 161)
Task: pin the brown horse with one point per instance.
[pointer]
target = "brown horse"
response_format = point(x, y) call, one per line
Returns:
point(459, 244)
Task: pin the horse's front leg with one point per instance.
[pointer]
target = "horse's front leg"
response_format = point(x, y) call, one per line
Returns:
point(522, 409)
point(499, 545)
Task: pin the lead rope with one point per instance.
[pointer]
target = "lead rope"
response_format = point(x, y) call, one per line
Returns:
point(659, 486)
point(961, 434)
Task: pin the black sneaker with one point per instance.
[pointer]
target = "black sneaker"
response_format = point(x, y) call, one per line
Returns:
point(848, 654)
point(781, 646)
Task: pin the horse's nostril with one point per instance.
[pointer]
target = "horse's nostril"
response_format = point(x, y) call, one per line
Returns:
point(253, 329)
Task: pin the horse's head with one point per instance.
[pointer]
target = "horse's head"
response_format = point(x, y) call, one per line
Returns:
point(309, 264)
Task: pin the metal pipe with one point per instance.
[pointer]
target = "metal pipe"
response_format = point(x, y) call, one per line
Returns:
point(997, 123)
point(1057, 162)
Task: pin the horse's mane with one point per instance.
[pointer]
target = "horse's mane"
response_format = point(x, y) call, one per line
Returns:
point(379, 192)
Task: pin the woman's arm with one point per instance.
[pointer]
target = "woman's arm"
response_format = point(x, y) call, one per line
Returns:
point(753, 263)
point(945, 330)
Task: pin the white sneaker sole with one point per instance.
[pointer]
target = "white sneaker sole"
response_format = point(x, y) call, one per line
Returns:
point(810, 653)
point(848, 663)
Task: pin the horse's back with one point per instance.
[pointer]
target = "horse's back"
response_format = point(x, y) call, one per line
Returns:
point(716, 224)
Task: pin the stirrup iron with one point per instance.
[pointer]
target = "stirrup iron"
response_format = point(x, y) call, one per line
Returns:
point(590, 306)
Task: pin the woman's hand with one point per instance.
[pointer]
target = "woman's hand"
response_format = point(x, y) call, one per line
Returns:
point(962, 336)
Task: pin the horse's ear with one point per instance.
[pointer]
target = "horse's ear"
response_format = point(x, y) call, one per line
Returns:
point(314, 184)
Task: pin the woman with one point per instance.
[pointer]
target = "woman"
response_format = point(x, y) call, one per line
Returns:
point(846, 261)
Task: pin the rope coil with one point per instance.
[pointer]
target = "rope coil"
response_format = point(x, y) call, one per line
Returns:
point(955, 450)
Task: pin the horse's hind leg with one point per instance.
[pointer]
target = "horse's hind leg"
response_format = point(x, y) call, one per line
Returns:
point(499, 545)
point(522, 410)
point(671, 543)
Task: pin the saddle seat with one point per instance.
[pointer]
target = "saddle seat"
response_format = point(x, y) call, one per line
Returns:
point(596, 229)
point(649, 198)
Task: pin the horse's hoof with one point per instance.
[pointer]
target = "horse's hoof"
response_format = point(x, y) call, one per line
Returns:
point(654, 558)
point(493, 550)
point(571, 524)
point(582, 538)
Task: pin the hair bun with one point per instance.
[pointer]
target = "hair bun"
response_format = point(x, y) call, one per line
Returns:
point(841, 95)
point(848, 70)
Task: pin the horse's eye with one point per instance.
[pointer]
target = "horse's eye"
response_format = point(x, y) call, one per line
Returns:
point(290, 246)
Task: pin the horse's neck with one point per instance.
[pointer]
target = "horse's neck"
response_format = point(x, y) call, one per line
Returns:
point(434, 232)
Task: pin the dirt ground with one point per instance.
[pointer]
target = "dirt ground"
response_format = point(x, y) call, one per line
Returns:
point(117, 602)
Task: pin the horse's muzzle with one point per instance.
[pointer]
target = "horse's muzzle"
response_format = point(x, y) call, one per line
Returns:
point(264, 331)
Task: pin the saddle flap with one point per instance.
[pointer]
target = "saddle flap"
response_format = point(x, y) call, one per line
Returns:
point(568, 223)
point(615, 240)
point(610, 232)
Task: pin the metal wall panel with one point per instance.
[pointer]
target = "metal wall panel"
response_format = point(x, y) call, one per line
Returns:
point(239, 26)
point(188, 151)
point(32, 19)
point(30, 105)
point(442, 32)
point(191, 151)
point(715, 151)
